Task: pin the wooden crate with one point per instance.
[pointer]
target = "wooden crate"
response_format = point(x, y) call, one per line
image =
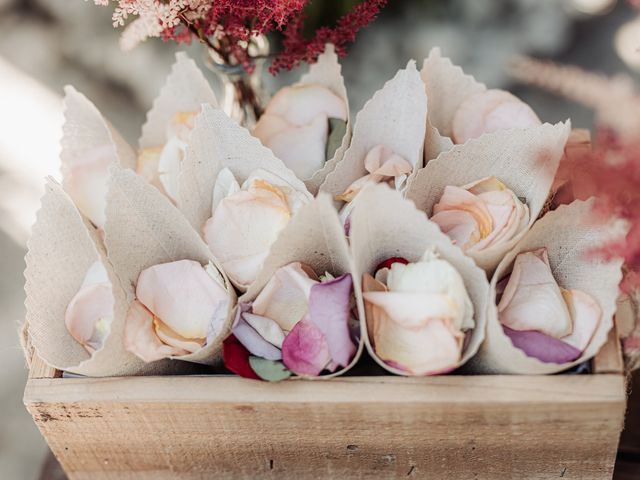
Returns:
point(448, 427)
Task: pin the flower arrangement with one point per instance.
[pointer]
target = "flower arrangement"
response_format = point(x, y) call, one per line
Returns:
point(229, 26)
point(421, 234)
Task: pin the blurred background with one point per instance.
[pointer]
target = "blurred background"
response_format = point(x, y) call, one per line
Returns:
point(46, 44)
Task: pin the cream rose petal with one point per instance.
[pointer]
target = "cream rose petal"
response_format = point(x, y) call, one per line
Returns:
point(140, 337)
point(300, 104)
point(586, 315)
point(302, 148)
point(171, 338)
point(532, 299)
point(284, 299)
point(169, 166)
point(432, 349)
point(267, 328)
point(243, 228)
point(489, 111)
point(182, 295)
point(413, 310)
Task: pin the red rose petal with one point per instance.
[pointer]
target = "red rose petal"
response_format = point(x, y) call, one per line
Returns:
point(236, 358)
point(390, 261)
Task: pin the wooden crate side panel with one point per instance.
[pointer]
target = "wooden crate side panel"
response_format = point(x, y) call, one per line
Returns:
point(455, 427)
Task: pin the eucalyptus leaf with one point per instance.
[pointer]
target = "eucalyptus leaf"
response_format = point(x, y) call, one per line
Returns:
point(337, 131)
point(269, 370)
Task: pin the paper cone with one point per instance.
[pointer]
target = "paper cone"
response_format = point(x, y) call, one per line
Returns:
point(186, 90)
point(395, 116)
point(385, 225)
point(144, 229)
point(328, 73)
point(447, 87)
point(314, 236)
point(218, 142)
point(569, 236)
point(61, 249)
point(525, 160)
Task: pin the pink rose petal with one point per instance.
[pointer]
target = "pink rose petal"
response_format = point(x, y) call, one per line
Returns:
point(329, 311)
point(543, 347)
point(305, 350)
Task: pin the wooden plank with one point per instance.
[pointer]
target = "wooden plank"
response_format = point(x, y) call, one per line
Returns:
point(360, 427)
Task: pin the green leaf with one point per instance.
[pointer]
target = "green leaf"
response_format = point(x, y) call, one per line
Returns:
point(337, 130)
point(268, 369)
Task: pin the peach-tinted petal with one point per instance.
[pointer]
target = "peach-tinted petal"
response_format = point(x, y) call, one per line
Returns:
point(268, 126)
point(532, 299)
point(585, 315)
point(383, 165)
point(169, 166)
point(86, 182)
point(183, 295)
point(140, 336)
point(489, 111)
point(171, 338)
point(226, 185)
point(243, 228)
point(284, 299)
point(431, 349)
point(147, 166)
point(412, 310)
point(302, 148)
point(460, 226)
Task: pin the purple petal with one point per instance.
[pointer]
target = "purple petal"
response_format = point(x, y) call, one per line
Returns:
point(305, 350)
point(253, 342)
point(329, 311)
point(543, 347)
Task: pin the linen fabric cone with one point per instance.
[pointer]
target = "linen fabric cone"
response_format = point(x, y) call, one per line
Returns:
point(144, 229)
point(447, 87)
point(61, 249)
point(89, 145)
point(396, 117)
point(570, 236)
point(384, 225)
point(217, 142)
point(328, 73)
point(525, 160)
point(314, 237)
point(185, 90)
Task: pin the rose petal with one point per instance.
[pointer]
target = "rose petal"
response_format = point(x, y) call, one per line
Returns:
point(183, 296)
point(267, 328)
point(89, 314)
point(268, 369)
point(147, 166)
point(86, 182)
point(236, 358)
point(171, 338)
point(585, 315)
point(390, 261)
point(169, 166)
point(329, 311)
point(140, 337)
point(226, 185)
point(532, 299)
point(284, 299)
point(413, 310)
point(302, 148)
point(253, 342)
point(543, 347)
point(243, 228)
point(305, 350)
point(489, 111)
point(300, 104)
